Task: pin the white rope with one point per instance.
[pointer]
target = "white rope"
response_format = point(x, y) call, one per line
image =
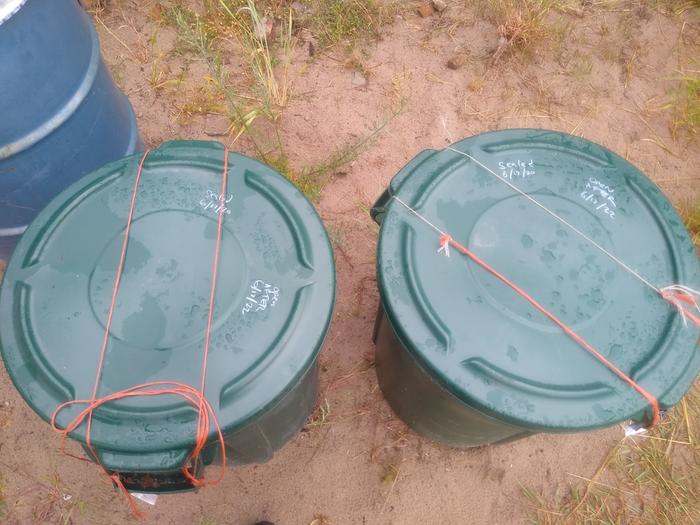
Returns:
point(445, 245)
point(669, 293)
point(414, 212)
point(560, 219)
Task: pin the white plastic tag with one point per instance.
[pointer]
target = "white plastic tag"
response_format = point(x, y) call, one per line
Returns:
point(147, 498)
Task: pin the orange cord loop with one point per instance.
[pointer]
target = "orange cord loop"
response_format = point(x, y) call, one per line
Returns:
point(195, 397)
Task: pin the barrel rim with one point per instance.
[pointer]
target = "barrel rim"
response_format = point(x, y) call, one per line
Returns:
point(414, 191)
point(36, 395)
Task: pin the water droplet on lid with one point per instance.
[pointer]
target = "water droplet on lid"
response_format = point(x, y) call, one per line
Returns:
point(547, 256)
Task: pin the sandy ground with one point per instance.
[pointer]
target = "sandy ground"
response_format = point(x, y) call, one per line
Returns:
point(337, 470)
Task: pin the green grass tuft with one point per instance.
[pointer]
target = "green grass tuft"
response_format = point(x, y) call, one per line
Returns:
point(311, 179)
point(522, 23)
point(269, 92)
point(690, 213)
point(686, 106)
point(674, 7)
point(349, 22)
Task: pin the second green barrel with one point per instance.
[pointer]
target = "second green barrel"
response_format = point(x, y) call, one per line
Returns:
point(273, 303)
point(465, 360)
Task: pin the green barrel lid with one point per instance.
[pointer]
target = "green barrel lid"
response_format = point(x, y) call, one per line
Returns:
point(273, 304)
point(488, 346)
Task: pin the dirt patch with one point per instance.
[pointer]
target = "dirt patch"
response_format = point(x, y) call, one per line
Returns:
point(604, 74)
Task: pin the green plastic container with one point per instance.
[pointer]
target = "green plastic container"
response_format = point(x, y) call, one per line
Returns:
point(466, 361)
point(273, 304)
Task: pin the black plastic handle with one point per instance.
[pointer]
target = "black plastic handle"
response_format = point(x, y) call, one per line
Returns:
point(379, 207)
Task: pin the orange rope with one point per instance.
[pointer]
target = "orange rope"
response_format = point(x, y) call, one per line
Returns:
point(196, 398)
point(446, 240)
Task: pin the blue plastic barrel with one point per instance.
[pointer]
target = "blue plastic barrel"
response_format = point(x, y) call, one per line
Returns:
point(61, 115)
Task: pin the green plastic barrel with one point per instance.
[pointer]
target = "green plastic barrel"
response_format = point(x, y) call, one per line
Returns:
point(462, 358)
point(273, 304)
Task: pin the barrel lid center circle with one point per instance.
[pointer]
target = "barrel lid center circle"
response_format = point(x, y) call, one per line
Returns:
point(549, 259)
point(165, 285)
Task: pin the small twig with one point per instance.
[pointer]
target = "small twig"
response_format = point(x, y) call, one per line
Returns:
point(687, 421)
point(240, 132)
point(659, 144)
point(345, 255)
point(646, 436)
point(528, 115)
point(320, 445)
point(676, 180)
point(434, 78)
point(393, 484)
point(99, 21)
point(350, 417)
point(582, 120)
point(599, 471)
point(601, 484)
point(356, 370)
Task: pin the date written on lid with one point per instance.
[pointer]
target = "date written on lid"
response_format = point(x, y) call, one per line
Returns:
point(600, 196)
point(517, 169)
point(215, 202)
point(261, 296)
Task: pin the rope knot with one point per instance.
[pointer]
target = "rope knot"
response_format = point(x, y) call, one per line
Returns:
point(685, 300)
point(445, 241)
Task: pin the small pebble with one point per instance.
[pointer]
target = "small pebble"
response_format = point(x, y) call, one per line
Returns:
point(358, 79)
point(439, 5)
point(425, 9)
point(456, 62)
